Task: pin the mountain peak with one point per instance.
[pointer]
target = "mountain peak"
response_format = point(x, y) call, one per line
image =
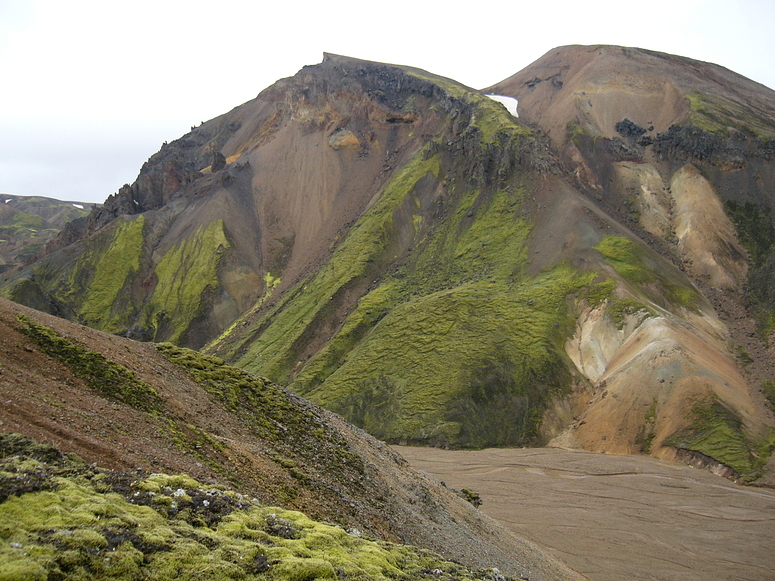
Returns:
point(404, 251)
point(600, 85)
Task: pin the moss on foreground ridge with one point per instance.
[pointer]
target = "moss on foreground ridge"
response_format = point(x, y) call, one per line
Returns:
point(271, 413)
point(314, 456)
point(104, 376)
point(62, 519)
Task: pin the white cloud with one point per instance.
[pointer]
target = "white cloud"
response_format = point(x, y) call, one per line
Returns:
point(147, 70)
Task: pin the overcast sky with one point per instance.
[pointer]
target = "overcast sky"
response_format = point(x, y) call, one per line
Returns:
point(89, 89)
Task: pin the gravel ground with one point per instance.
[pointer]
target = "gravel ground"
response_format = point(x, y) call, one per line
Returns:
point(618, 517)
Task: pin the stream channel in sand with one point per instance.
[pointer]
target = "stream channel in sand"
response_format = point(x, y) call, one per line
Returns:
point(618, 518)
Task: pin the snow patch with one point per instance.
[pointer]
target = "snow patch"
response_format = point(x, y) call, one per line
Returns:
point(79, 206)
point(509, 102)
point(8, 200)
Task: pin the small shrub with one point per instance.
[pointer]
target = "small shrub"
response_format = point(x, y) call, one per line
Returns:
point(471, 496)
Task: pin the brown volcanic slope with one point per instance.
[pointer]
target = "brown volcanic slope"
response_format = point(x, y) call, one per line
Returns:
point(680, 153)
point(655, 137)
point(600, 85)
point(258, 195)
point(255, 438)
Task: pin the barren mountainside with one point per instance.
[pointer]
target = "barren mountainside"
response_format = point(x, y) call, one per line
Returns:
point(180, 461)
point(400, 249)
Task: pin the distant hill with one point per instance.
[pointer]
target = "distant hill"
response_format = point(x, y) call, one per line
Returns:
point(28, 223)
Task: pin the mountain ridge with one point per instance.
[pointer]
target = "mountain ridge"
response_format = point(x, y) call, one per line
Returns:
point(401, 249)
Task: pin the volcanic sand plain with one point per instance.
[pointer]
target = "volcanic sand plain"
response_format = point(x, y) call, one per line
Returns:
point(618, 517)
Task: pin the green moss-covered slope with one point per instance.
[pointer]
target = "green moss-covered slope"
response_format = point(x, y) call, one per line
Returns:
point(112, 267)
point(88, 283)
point(114, 281)
point(423, 326)
point(471, 366)
point(716, 114)
point(756, 231)
point(60, 518)
point(184, 275)
point(654, 284)
point(718, 433)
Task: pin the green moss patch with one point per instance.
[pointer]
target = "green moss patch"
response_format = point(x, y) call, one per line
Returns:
point(755, 229)
point(253, 397)
point(626, 258)
point(88, 524)
point(768, 387)
point(457, 347)
point(21, 224)
point(107, 378)
point(302, 441)
point(25, 220)
point(490, 116)
point(631, 262)
point(574, 131)
point(599, 292)
point(717, 432)
point(184, 275)
point(113, 268)
point(716, 114)
point(620, 309)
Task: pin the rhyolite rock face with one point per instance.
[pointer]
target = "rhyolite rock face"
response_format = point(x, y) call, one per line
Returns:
point(680, 152)
point(401, 249)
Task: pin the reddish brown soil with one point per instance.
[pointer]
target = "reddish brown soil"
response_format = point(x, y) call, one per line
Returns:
point(41, 398)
